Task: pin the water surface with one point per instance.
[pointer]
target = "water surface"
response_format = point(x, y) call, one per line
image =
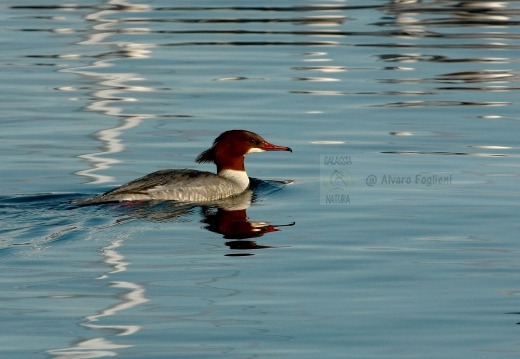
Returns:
point(390, 231)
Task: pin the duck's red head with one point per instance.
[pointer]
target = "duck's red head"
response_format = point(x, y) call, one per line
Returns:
point(230, 148)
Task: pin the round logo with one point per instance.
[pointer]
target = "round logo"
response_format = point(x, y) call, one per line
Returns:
point(337, 180)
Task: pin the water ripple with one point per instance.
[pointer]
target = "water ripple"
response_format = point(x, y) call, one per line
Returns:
point(443, 103)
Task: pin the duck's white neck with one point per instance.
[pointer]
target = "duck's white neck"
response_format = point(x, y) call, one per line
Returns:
point(239, 177)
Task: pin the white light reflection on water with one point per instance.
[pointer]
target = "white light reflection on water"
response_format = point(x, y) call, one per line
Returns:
point(115, 89)
point(134, 295)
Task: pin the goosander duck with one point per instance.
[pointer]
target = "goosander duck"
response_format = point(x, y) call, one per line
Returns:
point(186, 185)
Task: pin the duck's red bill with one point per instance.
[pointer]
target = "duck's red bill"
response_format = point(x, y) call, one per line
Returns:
point(270, 147)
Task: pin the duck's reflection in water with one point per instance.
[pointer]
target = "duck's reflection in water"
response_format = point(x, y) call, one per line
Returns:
point(235, 225)
point(227, 217)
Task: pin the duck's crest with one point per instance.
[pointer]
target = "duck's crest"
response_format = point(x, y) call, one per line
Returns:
point(210, 154)
point(207, 156)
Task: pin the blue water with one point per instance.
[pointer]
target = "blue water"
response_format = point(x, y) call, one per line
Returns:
point(391, 231)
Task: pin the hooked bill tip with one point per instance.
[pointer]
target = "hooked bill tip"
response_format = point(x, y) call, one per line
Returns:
point(270, 147)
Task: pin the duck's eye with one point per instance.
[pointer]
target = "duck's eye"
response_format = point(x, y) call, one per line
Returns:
point(252, 140)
